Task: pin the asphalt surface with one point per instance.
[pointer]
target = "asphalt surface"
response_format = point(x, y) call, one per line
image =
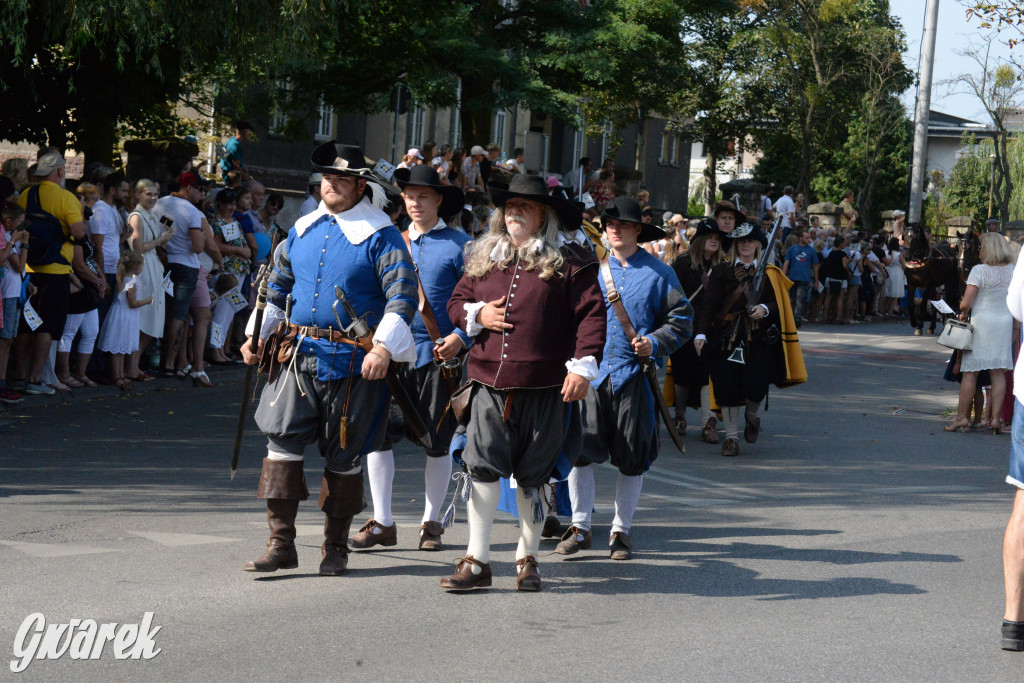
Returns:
point(854, 541)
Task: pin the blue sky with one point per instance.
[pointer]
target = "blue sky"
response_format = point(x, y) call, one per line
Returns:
point(954, 32)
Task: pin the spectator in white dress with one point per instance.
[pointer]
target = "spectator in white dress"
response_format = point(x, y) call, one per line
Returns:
point(984, 304)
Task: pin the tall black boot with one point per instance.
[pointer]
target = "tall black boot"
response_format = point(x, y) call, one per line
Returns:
point(283, 485)
point(341, 499)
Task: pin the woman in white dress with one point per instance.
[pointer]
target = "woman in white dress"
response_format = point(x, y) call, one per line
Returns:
point(984, 302)
point(896, 282)
point(147, 233)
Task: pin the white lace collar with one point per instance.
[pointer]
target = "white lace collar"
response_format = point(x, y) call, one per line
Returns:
point(358, 223)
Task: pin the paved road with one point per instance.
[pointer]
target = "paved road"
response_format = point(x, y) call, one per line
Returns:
point(855, 540)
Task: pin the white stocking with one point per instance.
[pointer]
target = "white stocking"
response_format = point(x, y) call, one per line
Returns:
point(705, 404)
point(731, 418)
point(380, 467)
point(529, 530)
point(483, 501)
point(627, 495)
point(581, 493)
point(436, 476)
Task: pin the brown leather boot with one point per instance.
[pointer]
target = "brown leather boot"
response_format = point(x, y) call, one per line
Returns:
point(752, 429)
point(464, 579)
point(527, 578)
point(341, 499)
point(281, 552)
point(709, 433)
point(731, 447)
point(282, 485)
point(430, 536)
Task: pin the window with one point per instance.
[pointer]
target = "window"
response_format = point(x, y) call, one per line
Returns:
point(419, 115)
point(279, 115)
point(498, 127)
point(669, 154)
point(325, 122)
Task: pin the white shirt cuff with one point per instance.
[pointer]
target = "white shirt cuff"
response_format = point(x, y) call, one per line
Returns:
point(394, 334)
point(766, 311)
point(585, 367)
point(473, 328)
point(272, 315)
point(700, 337)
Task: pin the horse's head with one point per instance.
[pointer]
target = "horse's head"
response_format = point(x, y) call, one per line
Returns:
point(971, 250)
point(919, 247)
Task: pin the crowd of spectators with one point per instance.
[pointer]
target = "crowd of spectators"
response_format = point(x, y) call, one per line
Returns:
point(121, 280)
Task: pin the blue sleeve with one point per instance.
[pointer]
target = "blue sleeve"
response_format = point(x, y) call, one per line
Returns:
point(676, 317)
point(281, 278)
point(396, 273)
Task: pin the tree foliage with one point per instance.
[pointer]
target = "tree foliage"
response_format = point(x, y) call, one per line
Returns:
point(834, 60)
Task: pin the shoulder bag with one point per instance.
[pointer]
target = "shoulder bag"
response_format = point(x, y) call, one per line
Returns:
point(957, 334)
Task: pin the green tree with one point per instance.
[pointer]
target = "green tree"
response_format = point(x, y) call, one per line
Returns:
point(822, 51)
point(997, 85)
point(722, 100)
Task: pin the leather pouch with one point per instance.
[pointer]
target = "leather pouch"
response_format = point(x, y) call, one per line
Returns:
point(460, 403)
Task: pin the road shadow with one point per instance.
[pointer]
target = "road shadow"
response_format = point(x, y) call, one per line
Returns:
point(709, 578)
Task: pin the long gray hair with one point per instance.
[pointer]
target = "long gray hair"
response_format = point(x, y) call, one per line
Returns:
point(548, 261)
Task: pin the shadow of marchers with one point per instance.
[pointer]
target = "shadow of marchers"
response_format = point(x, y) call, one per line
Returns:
point(752, 551)
point(709, 578)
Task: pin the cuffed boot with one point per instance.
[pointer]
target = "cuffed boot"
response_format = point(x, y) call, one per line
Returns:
point(341, 499)
point(282, 485)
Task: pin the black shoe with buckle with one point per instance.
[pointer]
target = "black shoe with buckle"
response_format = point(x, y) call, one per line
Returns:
point(621, 546)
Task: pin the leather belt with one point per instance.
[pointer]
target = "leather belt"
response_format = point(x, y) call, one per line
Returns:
point(327, 333)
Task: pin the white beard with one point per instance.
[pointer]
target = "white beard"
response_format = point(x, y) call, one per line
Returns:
point(517, 230)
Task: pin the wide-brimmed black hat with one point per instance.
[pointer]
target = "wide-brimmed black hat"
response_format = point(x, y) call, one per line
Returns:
point(749, 231)
point(628, 210)
point(726, 205)
point(534, 188)
point(335, 158)
point(422, 175)
point(709, 226)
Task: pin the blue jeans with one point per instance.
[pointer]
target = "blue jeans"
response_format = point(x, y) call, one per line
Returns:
point(185, 280)
point(799, 297)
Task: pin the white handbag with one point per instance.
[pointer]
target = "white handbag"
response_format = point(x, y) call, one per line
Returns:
point(956, 334)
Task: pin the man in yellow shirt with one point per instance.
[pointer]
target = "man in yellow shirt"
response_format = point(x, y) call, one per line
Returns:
point(49, 265)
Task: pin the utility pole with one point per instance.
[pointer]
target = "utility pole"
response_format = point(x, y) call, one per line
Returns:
point(924, 103)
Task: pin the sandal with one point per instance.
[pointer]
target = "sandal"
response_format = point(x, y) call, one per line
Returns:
point(123, 383)
point(958, 426)
point(71, 381)
point(86, 382)
point(201, 379)
point(141, 377)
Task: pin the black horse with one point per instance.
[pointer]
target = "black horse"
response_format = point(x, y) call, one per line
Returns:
point(970, 254)
point(929, 268)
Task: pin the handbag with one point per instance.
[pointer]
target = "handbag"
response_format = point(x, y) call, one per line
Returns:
point(956, 334)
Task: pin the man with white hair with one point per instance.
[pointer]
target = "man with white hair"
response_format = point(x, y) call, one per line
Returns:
point(533, 305)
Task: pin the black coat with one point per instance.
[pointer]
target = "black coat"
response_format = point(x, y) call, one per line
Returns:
point(720, 288)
